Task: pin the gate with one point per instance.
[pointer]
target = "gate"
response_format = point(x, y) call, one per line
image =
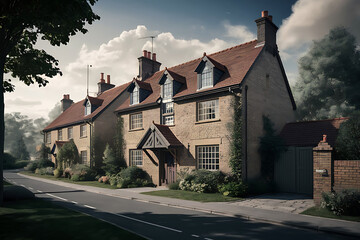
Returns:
point(293, 171)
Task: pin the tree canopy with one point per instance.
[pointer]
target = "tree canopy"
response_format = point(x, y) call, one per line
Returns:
point(329, 82)
point(68, 155)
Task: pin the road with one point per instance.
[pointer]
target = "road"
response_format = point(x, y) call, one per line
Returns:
point(154, 221)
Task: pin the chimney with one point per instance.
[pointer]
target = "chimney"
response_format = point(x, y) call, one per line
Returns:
point(148, 66)
point(102, 86)
point(266, 31)
point(66, 102)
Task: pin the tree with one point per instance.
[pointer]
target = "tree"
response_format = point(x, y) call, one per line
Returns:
point(21, 23)
point(19, 151)
point(347, 144)
point(111, 163)
point(43, 152)
point(119, 142)
point(329, 82)
point(68, 155)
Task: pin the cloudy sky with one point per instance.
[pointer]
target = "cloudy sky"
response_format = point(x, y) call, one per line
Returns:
point(184, 29)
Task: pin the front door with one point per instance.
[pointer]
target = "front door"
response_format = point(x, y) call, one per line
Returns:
point(170, 168)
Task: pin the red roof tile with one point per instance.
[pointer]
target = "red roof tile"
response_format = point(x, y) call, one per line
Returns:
point(169, 135)
point(237, 60)
point(76, 112)
point(309, 134)
point(143, 85)
point(95, 101)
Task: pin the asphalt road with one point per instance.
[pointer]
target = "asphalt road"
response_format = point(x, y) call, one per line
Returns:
point(154, 221)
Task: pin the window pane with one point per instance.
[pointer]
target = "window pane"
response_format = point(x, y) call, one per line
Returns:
point(136, 158)
point(208, 110)
point(135, 96)
point(168, 120)
point(167, 89)
point(208, 157)
point(206, 79)
point(136, 121)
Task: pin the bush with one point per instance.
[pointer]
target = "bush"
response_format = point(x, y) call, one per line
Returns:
point(346, 202)
point(133, 177)
point(75, 177)
point(174, 186)
point(67, 173)
point(85, 172)
point(44, 171)
point(202, 181)
point(58, 173)
point(32, 166)
point(233, 189)
point(10, 162)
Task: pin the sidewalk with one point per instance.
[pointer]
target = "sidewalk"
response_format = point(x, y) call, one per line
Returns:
point(224, 209)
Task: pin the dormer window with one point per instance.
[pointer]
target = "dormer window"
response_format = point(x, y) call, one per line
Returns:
point(87, 108)
point(206, 77)
point(135, 96)
point(209, 72)
point(167, 90)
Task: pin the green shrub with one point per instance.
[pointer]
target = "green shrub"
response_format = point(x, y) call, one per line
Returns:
point(44, 171)
point(37, 171)
point(33, 165)
point(75, 177)
point(133, 177)
point(202, 181)
point(346, 202)
point(9, 161)
point(58, 173)
point(174, 186)
point(233, 189)
point(67, 173)
point(85, 172)
point(113, 180)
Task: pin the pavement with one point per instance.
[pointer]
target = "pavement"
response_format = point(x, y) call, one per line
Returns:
point(282, 209)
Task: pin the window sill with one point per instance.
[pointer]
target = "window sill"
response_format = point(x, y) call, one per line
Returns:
point(83, 137)
point(136, 129)
point(208, 121)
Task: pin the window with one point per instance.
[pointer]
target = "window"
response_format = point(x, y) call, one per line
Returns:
point(83, 130)
point(136, 158)
point(168, 108)
point(168, 120)
point(168, 113)
point(134, 96)
point(87, 108)
point(70, 133)
point(208, 110)
point(48, 137)
point(208, 157)
point(60, 134)
point(206, 78)
point(83, 157)
point(136, 121)
point(167, 90)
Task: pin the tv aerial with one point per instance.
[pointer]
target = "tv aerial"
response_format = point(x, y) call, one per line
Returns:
point(152, 41)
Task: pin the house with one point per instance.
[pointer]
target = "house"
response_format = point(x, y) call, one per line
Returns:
point(178, 118)
point(86, 122)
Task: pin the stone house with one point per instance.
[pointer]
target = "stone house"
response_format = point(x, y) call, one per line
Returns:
point(91, 119)
point(178, 118)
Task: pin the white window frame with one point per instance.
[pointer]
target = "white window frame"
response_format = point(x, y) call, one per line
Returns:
point(208, 157)
point(88, 108)
point(136, 157)
point(168, 120)
point(83, 131)
point(207, 110)
point(135, 96)
point(70, 133)
point(136, 121)
point(167, 90)
point(60, 135)
point(168, 108)
point(206, 77)
point(83, 155)
point(48, 137)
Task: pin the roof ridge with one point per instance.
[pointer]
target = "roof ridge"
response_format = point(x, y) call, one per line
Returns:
point(224, 50)
point(321, 120)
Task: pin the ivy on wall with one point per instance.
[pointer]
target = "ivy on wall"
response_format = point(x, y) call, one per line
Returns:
point(119, 143)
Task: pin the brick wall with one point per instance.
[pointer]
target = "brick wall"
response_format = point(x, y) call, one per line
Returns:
point(346, 174)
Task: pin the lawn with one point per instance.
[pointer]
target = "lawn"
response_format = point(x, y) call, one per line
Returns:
point(323, 212)
point(194, 196)
point(39, 219)
point(87, 183)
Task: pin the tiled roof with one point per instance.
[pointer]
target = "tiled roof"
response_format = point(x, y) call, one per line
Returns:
point(169, 135)
point(237, 61)
point(176, 76)
point(309, 134)
point(143, 85)
point(95, 101)
point(217, 64)
point(76, 112)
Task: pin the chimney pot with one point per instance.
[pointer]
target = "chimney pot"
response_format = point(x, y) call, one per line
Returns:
point(102, 78)
point(108, 79)
point(154, 56)
point(264, 13)
point(144, 53)
point(149, 55)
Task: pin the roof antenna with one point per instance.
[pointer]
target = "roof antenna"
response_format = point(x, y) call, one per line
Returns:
point(152, 41)
point(87, 78)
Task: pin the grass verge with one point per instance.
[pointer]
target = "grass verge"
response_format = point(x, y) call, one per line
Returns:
point(39, 219)
point(194, 196)
point(87, 183)
point(323, 212)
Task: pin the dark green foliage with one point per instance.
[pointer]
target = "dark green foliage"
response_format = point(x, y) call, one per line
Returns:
point(33, 165)
point(45, 171)
point(58, 173)
point(111, 163)
point(97, 150)
point(119, 143)
point(10, 162)
point(75, 177)
point(84, 172)
point(44, 152)
point(174, 186)
point(19, 150)
point(233, 189)
point(203, 181)
point(271, 146)
point(346, 202)
point(236, 139)
point(347, 146)
point(68, 155)
point(133, 177)
point(329, 84)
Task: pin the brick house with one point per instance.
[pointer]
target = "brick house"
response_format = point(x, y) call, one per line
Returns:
point(179, 117)
point(86, 121)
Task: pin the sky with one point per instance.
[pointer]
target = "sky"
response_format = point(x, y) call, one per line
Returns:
point(184, 30)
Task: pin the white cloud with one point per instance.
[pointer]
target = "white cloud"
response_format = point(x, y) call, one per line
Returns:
point(239, 31)
point(21, 102)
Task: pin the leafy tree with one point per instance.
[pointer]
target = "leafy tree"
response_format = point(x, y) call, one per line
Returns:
point(21, 23)
point(68, 155)
point(347, 144)
point(119, 142)
point(111, 163)
point(329, 82)
point(43, 152)
point(19, 151)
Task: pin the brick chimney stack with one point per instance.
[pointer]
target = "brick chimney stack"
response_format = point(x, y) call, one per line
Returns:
point(66, 102)
point(102, 86)
point(147, 65)
point(266, 32)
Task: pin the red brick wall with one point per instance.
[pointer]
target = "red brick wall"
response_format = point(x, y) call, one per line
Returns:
point(346, 174)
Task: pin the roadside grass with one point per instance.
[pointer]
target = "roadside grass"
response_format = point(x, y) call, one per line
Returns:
point(193, 196)
point(39, 219)
point(323, 212)
point(87, 183)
